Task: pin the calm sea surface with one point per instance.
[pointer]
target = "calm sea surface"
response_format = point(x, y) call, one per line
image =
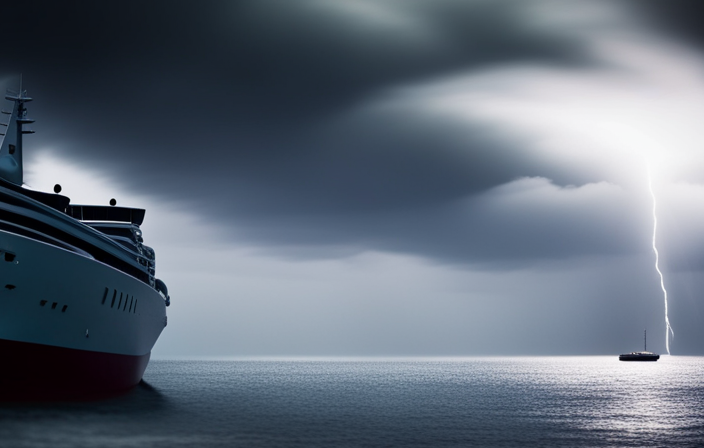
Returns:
point(464, 402)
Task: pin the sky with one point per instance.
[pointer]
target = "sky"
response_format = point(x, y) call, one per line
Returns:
point(386, 178)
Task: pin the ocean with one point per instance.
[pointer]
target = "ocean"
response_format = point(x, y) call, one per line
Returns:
point(425, 402)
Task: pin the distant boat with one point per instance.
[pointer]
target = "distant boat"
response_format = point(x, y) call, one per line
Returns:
point(640, 356)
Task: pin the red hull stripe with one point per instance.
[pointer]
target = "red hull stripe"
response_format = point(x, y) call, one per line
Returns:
point(30, 369)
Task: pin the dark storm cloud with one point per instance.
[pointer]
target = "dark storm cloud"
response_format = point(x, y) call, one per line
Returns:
point(679, 18)
point(502, 229)
point(253, 113)
point(267, 60)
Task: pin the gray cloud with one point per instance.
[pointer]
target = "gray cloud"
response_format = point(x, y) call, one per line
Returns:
point(677, 18)
point(312, 130)
point(260, 115)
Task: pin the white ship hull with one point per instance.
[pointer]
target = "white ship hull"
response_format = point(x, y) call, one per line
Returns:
point(60, 306)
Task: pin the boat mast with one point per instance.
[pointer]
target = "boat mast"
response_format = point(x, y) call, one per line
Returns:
point(11, 149)
point(645, 340)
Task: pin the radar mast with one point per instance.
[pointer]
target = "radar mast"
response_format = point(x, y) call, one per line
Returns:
point(11, 168)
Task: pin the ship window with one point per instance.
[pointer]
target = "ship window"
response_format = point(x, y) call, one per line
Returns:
point(10, 287)
point(63, 309)
point(9, 257)
point(105, 296)
point(135, 307)
point(12, 149)
point(131, 303)
point(42, 302)
point(112, 304)
point(53, 305)
point(119, 304)
point(125, 307)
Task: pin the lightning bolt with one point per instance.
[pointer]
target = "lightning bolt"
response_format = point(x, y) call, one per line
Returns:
point(668, 328)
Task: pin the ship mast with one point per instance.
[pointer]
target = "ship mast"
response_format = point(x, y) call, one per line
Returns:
point(11, 168)
point(645, 340)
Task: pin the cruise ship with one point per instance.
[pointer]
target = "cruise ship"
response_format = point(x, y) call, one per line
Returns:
point(80, 306)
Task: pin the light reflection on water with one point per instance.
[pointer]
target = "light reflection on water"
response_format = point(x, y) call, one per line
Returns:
point(542, 401)
point(633, 403)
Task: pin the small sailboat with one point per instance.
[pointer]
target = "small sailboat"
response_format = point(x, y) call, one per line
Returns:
point(640, 356)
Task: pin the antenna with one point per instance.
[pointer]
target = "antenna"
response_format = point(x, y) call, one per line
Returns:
point(11, 147)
